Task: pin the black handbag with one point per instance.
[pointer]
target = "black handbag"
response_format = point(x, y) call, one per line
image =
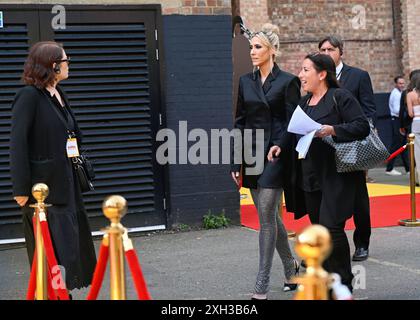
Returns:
point(84, 172)
point(358, 155)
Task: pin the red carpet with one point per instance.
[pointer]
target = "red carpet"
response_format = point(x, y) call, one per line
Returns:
point(385, 211)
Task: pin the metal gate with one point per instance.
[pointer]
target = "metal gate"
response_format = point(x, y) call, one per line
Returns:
point(114, 90)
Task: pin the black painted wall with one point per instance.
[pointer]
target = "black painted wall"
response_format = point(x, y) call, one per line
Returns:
point(198, 89)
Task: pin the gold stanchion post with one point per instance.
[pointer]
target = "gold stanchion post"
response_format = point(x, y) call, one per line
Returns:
point(313, 245)
point(413, 222)
point(40, 193)
point(114, 208)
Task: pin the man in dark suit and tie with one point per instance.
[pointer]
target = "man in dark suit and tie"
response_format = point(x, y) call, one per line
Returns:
point(358, 82)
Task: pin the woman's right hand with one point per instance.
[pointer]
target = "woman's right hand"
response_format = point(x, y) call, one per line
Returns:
point(21, 200)
point(273, 153)
point(236, 177)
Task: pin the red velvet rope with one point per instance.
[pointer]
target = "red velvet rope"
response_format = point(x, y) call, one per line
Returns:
point(396, 153)
point(32, 279)
point(137, 275)
point(30, 295)
point(98, 276)
point(61, 293)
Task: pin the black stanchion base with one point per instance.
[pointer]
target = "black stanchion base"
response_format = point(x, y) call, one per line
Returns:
point(409, 223)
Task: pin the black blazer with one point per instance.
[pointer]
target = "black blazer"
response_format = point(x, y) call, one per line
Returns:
point(358, 82)
point(269, 108)
point(38, 145)
point(339, 190)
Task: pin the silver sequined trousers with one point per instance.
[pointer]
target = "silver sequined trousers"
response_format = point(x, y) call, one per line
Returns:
point(272, 235)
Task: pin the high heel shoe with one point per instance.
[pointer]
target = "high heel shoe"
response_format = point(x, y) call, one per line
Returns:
point(292, 286)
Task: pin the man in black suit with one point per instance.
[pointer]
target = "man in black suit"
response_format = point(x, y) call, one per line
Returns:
point(358, 82)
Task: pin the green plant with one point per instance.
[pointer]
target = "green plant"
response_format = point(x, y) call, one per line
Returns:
point(183, 227)
point(211, 221)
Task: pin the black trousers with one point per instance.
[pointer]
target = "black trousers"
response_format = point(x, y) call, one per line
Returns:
point(361, 217)
point(339, 260)
point(398, 140)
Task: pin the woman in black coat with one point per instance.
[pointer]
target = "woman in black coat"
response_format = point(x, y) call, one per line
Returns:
point(266, 101)
point(329, 197)
point(42, 123)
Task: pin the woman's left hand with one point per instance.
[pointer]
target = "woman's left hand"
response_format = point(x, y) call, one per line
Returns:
point(325, 131)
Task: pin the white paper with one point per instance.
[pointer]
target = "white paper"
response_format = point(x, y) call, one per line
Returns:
point(301, 123)
point(304, 143)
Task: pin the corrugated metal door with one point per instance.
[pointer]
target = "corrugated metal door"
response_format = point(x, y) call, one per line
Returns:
point(114, 90)
point(20, 30)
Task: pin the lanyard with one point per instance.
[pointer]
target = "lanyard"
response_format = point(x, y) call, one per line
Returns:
point(71, 134)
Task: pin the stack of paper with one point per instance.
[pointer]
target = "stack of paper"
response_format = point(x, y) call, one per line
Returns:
point(302, 124)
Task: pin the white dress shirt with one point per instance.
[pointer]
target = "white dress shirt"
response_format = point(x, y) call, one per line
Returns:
point(338, 70)
point(394, 102)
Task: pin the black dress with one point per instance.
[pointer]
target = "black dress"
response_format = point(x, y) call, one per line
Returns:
point(68, 224)
point(328, 196)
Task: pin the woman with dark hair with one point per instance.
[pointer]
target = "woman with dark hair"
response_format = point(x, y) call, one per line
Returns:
point(329, 197)
point(267, 98)
point(42, 125)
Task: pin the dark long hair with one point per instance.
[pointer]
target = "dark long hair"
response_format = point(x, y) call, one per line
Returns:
point(323, 62)
point(413, 81)
point(38, 69)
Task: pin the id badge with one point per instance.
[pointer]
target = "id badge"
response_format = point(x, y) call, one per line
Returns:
point(72, 149)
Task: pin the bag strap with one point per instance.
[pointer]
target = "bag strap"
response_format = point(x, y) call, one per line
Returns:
point(60, 116)
point(336, 107)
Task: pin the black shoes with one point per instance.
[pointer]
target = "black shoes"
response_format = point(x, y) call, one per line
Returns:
point(292, 286)
point(361, 254)
point(289, 287)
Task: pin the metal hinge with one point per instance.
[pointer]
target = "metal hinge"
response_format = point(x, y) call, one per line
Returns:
point(157, 54)
point(160, 119)
point(164, 203)
point(156, 34)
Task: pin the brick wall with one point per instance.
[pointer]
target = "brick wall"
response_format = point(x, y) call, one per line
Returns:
point(254, 13)
point(371, 43)
point(410, 25)
point(368, 44)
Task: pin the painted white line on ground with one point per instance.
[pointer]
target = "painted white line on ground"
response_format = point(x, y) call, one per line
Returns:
point(94, 233)
point(395, 265)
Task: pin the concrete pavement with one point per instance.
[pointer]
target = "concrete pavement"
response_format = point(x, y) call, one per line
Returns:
point(222, 264)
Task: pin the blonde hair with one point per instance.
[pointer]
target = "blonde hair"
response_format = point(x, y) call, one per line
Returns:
point(270, 37)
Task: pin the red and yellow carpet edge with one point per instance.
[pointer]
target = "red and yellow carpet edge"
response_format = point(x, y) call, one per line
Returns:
point(388, 205)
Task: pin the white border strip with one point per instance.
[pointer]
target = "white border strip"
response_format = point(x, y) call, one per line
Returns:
point(95, 233)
